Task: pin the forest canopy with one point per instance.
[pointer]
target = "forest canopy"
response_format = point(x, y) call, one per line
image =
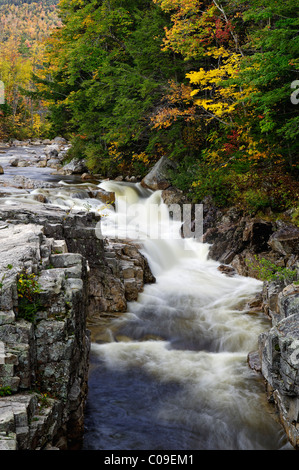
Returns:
point(208, 84)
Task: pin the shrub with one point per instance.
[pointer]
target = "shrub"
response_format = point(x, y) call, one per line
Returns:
point(268, 271)
point(28, 288)
point(5, 391)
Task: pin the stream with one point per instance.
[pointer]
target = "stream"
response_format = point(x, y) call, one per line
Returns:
point(174, 374)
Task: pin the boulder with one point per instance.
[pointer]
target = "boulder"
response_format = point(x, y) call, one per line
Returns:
point(1, 170)
point(87, 176)
point(279, 353)
point(74, 167)
point(52, 151)
point(158, 177)
point(107, 197)
point(59, 140)
point(288, 300)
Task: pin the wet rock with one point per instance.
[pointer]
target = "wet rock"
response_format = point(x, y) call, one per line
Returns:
point(40, 198)
point(20, 143)
point(47, 353)
point(257, 233)
point(255, 305)
point(228, 270)
point(254, 361)
point(105, 196)
point(121, 281)
point(133, 179)
point(42, 164)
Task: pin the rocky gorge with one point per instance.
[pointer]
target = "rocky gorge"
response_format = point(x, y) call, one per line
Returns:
point(44, 364)
point(83, 278)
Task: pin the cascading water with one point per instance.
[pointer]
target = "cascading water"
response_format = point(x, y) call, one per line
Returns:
point(175, 373)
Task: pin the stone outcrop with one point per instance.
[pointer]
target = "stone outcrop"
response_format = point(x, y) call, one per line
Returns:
point(44, 363)
point(279, 354)
point(242, 241)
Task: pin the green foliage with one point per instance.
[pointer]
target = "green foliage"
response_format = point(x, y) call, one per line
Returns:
point(256, 200)
point(268, 271)
point(116, 78)
point(5, 391)
point(295, 216)
point(28, 304)
point(108, 75)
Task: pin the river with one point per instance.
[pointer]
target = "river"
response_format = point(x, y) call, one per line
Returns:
point(174, 373)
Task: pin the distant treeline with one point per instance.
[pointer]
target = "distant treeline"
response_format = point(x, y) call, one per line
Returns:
point(20, 2)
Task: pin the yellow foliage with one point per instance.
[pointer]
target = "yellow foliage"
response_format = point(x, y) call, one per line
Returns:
point(141, 157)
point(223, 99)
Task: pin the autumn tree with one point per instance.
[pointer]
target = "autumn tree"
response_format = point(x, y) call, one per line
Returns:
point(246, 57)
point(24, 26)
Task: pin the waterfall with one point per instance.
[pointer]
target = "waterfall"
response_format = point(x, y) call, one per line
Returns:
point(175, 373)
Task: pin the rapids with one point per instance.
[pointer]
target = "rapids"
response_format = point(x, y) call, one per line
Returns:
point(175, 373)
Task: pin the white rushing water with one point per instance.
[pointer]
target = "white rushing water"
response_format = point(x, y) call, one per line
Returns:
point(179, 379)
